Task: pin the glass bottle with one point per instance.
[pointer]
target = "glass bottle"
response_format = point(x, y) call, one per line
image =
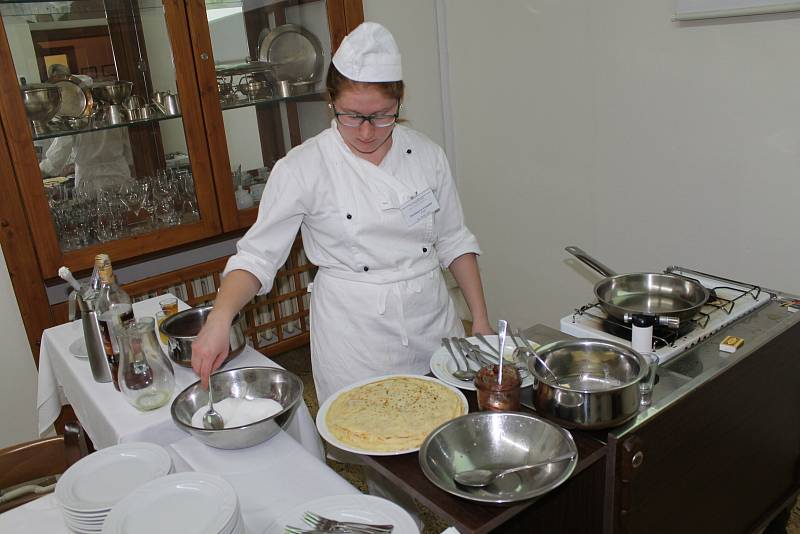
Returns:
point(115, 309)
point(92, 289)
point(145, 375)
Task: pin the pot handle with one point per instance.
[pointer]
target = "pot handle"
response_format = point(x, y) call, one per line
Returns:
point(590, 261)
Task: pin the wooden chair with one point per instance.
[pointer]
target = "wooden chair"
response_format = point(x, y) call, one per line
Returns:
point(37, 460)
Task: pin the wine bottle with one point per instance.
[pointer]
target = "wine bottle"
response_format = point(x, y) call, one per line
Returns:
point(92, 290)
point(116, 311)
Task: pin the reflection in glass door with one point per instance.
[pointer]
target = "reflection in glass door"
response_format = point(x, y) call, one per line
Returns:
point(98, 83)
point(270, 62)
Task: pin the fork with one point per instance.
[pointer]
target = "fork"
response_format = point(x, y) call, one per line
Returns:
point(323, 523)
point(300, 530)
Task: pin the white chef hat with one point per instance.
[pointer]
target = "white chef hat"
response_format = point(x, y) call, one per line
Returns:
point(369, 54)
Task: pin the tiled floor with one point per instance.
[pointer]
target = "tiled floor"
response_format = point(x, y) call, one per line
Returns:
point(299, 362)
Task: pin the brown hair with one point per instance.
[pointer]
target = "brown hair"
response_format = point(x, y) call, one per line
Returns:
point(336, 82)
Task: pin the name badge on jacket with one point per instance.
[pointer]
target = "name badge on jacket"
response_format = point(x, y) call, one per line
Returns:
point(417, 208)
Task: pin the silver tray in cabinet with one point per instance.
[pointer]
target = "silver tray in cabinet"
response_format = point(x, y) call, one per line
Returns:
point(294, 52)
point(76, 97)
point(245, 66)
point(496, 440)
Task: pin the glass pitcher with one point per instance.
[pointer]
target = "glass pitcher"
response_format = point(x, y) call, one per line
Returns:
point(146, 376)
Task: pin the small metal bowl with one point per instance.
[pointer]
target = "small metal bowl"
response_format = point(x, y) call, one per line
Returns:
point(243, 383)
point(182, 328)
point(490, 440)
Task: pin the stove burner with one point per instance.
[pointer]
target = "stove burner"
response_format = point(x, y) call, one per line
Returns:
point(662, 336)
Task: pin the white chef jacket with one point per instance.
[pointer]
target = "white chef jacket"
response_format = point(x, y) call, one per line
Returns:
point(379, 304)
point(101, 157)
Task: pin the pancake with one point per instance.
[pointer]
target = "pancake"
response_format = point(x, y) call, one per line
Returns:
point(392, 414)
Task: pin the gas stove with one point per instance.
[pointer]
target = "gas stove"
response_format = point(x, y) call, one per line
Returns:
point(730, 301)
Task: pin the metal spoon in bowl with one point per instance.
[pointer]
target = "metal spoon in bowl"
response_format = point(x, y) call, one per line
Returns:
point(478, 478)
point(211, 419)
point(528, 349)
point(458, 373)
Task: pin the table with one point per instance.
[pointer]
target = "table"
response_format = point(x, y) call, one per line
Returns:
point(105, 414)
point(269, 479)
point(568, 508)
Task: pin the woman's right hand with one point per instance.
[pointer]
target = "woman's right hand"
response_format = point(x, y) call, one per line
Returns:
point(211, 347)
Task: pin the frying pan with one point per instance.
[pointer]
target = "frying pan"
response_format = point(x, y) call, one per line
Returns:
point(650, 294)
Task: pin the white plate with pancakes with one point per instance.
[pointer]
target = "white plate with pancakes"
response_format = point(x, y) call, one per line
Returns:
point(388, 415)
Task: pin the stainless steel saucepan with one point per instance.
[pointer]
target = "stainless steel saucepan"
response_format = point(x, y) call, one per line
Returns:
point(649, 294)
point(593, 384)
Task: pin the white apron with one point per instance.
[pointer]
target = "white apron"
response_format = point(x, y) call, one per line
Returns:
point(361, 329)
point(379, 304)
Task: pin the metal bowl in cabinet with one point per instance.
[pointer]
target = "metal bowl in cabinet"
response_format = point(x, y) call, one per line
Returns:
point(490, 440)
point(112, 92)
point(182, 328)
point(244, 383)
point(41, 104)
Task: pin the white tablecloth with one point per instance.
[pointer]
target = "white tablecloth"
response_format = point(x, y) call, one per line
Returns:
point(104, 412)
point(269, 479)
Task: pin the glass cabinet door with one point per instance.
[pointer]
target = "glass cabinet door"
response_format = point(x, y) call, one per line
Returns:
point(263, 65)
point(104, 95)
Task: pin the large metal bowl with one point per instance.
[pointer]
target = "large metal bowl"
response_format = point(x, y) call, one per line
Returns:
point(41, 101)
point(112, 92)
point(243, 383)
point(597, 382)
point(182, 328)
point(41, 104)
point(489, 440)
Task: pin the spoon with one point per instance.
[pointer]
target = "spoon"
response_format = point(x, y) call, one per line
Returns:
point(458, 373)
point(502, 325)
point(530, 350)
point(478, 478)
point(211, 419)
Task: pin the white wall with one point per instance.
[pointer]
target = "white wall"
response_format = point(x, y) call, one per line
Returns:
point(606, 125)
point(647, 142)
point(18, 372)
point(413, 24)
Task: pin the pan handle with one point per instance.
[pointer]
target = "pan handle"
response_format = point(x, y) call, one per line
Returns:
point(590, 261)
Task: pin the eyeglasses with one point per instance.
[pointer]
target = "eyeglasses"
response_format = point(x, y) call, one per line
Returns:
point(355, 120)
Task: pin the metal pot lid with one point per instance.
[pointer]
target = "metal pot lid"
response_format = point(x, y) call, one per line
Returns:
point(76, 97)
point(294, 52)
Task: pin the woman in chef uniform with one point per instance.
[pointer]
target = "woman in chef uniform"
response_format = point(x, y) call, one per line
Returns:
point(379, 213)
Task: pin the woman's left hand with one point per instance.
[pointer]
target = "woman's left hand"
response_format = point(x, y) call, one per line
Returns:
point(482, 327)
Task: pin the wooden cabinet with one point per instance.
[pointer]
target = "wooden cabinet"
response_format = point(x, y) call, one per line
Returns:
point(170, 115)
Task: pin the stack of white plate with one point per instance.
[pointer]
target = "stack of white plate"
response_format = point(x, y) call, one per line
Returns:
point(184, 502)
point(91, 486)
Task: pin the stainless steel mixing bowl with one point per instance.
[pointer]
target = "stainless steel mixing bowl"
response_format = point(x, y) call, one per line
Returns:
point(243, 383)
point(41, 104)
point(489, 440)
point(182, 328)
point(112, 92)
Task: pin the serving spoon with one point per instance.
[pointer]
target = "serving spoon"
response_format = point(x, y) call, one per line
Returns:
point(528, 349)
point(211, 419)
point(458, 373)
point(478, 478)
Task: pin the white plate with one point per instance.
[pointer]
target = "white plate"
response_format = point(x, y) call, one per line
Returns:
point(442, 364)
point(359, 508)
point(330, 438)
point(78, 348)
point(96, 482)
point(199, 503)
